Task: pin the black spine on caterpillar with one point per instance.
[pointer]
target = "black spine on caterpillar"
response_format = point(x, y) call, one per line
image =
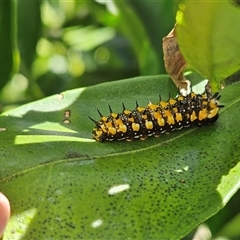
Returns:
point(154, 119)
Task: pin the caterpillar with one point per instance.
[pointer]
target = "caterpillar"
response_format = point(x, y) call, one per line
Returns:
point(155, 119)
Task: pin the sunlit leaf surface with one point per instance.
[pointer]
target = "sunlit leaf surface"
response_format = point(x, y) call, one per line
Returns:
point(208, 37)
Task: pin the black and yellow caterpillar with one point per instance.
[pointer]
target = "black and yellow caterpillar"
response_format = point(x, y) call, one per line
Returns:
point(155, 119)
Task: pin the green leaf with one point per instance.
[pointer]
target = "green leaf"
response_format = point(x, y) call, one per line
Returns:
point(208, 37)
point(131, 26)
point(158, 18)
point(8, 56)
point(93, 37)
point(29, 29)
point(225, 217)
point(61, 183)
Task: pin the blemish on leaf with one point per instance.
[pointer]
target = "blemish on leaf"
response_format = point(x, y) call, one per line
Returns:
point(60, 96)
point(117, 189)
point(66, 121)
point(72, 155)
point(67, 114)
point(97, 223)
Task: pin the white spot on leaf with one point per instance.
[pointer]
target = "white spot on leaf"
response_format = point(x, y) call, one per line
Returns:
point(117, 189)
point(97, 223)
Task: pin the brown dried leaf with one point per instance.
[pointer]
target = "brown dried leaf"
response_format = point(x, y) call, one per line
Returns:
point(174, 61)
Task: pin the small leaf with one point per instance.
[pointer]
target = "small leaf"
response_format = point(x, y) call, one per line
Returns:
point(207, 34)
point(63, 184)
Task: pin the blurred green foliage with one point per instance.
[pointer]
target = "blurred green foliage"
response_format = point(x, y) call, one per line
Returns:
point(51, 46)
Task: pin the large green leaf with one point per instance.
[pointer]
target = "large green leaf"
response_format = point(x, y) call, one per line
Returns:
point(208, 37)
point(61, 183)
